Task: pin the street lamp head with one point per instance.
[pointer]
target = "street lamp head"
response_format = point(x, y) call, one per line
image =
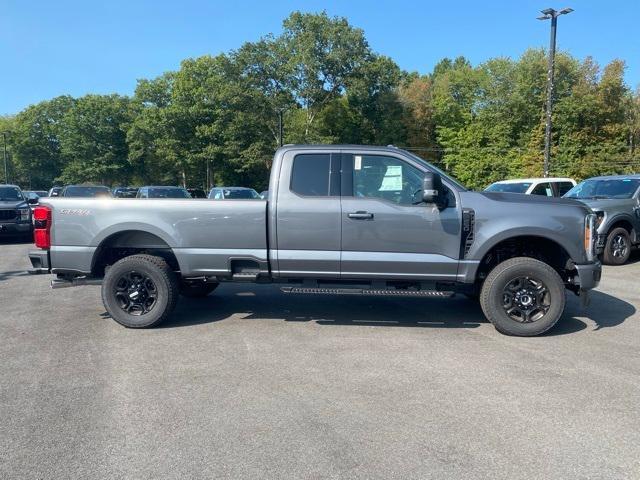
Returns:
point(548, 11)
point(564, 11)
point(544, 17)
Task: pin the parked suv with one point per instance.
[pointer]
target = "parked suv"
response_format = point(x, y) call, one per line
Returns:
point(162, 192)
point(616, 202)
point(547, 187)
point(233, 193)
point(15, 214)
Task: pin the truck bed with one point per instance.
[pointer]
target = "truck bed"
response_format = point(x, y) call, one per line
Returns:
point(203, 234)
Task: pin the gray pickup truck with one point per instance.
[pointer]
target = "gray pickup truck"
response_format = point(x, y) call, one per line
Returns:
point(347, 219)
point(615, 200)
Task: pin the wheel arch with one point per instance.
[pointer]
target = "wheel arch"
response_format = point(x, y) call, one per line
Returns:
point(126, 242)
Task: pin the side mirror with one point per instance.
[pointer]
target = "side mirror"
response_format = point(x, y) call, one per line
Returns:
point(432, 190)
point(32, 201)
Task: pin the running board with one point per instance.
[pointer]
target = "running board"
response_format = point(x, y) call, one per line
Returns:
point(369, 292)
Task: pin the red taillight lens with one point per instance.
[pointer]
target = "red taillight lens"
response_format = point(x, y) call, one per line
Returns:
point(42, 227)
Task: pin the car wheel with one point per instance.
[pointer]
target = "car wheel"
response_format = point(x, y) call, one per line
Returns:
point(523, 296)
point(197, 289)
point(139, 291)
point(617, 248)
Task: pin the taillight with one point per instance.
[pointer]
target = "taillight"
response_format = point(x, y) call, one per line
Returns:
point(42, 227)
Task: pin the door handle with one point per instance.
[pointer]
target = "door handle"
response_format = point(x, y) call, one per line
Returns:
point(361, 215)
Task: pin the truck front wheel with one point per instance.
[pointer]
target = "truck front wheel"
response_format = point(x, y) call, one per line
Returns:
point(140, 291)
point(523, 296)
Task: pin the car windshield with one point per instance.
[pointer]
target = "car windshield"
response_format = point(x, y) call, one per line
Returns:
point(8, 194)
point(605, 188)
point(520, 187)
point(86, 192)
point(241, 194)
point(168, 193)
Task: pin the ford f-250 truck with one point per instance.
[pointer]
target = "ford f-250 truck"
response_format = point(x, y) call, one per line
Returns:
point(338, 220)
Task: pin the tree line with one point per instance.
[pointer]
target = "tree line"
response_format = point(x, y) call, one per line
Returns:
point(215, 120)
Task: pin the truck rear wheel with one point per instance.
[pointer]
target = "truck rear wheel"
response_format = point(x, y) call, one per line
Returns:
point(617, 248)
point(197, 289)
point(523, 297)
point(139, 291)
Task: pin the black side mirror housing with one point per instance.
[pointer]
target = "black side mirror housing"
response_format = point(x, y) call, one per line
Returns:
point(32, 201)
point(433, 192)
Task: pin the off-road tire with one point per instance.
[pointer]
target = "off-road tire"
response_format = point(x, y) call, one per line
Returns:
point(608, 256)
point(493, 291)
point(166, 284)
point(197, 289)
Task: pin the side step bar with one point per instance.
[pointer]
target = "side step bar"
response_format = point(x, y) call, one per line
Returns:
point(369, 292)
point(76, 282)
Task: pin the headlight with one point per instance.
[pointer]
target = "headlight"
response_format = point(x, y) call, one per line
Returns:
point(25, 214)
point(590, 236)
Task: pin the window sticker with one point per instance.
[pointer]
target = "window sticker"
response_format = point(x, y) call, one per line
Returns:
point(392, 181)
point(358, 162)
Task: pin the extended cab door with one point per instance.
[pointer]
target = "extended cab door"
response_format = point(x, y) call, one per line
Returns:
point(307, 209)
point(384, 232)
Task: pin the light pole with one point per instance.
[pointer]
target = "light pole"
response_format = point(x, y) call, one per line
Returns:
point(550, 14)
point(4, 140)
point(280, 127)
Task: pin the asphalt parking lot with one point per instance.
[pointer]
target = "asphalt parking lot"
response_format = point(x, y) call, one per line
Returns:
point(250, 383)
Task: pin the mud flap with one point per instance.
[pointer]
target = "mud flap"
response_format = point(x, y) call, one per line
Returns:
point(585, 298)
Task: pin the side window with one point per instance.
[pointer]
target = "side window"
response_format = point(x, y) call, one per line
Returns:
point(543, 189)
point(217, 195)
point(310, 174)
point(563, 187)
point(387, 178)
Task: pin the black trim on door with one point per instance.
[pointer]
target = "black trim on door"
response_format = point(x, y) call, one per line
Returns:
point(334, 175)
point(346, 177)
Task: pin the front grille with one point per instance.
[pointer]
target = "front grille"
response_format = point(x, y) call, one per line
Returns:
point(8, 215)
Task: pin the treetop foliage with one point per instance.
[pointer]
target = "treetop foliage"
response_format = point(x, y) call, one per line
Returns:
point(215, 120)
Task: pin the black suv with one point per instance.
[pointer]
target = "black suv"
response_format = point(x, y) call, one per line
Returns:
point(15, 213)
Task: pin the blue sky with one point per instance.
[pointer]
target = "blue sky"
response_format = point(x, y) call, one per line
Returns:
point(50, 48)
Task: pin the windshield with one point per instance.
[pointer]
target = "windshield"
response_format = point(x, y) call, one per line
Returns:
point(9, 194)
point(168, 193)
point(241, 194)
point(508, 187)
point(86, 192)
point(605, 188)
point(436, 169)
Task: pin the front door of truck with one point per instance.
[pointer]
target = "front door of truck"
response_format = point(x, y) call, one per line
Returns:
point(385, 232)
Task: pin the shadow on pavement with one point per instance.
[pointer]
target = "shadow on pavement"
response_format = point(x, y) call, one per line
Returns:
point(605, 311)
point(15, 240)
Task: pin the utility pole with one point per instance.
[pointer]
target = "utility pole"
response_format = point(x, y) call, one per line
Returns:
point(550, 14)
point(6, 174)
point(280, 127)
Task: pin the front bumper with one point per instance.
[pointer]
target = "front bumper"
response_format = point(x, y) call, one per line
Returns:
point(588, 276)
point(39, 261)
point(15, 228)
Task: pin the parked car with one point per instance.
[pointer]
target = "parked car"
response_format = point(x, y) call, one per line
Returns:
point(33, 197)
point(616, 202)
point(162, 192)
point(85, 191)
point(344, 219)
point(233, 193)
point(125, 192)
point(54, 192)
point(547, 187)
point(15, 214)
point(197, 193)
